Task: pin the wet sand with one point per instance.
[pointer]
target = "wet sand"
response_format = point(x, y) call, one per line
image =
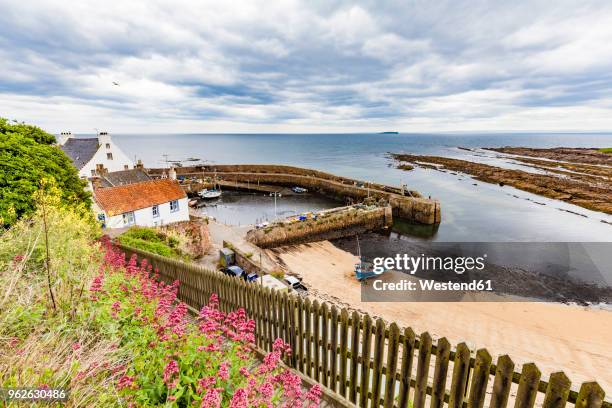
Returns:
point(556, 337)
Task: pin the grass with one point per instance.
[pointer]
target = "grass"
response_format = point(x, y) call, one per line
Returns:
point(606, 150)
point(148, 239)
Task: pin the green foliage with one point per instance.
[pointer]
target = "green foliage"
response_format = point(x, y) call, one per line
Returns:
point(27, 156)
point(278, 273)
point(606, 150)
point(40, 344)
point(151, 240)
point(23, 253)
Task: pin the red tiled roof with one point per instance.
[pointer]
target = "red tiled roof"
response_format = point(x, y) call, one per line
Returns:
point(131, 197)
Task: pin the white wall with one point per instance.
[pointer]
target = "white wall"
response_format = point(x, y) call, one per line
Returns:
point(144, 217)
point(119, 161)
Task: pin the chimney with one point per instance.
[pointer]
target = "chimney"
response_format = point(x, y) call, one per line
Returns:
point(64, 136)
point(172, 173)
point(101, 170)
point(103, 138)
point(139, 165)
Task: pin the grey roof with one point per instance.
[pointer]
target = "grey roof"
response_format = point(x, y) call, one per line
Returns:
point(80, 151)
point(120, 178)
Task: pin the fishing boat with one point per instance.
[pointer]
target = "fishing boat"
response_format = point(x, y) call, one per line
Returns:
point(299, 190)
point(209, 194)
point(364, 270)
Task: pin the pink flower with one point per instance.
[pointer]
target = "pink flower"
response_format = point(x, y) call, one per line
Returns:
point(170, 370)
point(206, 383)
point(244, 371)
point(115, 308)
point(126, 382)
point(224, 371)
point(96, 286)
point(76, 346)
point(212, 399)
point(267, 390)
point(240, 399)
point(314, 395)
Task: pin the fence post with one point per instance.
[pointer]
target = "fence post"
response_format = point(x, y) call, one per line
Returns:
point(528, 386)
point(406, 371)
point(343, 350)
point(379, 344)
point(502, 383)
point(355, 331)
point(557, 391)
point(460, 374)
point(333, 355)
point(316, 321)
point(438, 388)
point(591, 395)
point(325, 343)
point(308, 341)
point(480, 379)
point(299, 325)
point(365, 361)
point(422, 370)
point(392, 350)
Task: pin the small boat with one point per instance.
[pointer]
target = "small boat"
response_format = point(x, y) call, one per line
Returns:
point(209, 194)
point(299, 190)
point(389, 133)
point(364, 270)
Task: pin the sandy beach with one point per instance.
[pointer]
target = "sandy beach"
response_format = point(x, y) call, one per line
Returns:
point(554, 336)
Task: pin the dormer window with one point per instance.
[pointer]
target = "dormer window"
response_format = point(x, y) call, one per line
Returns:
point(109, 156)
point(108, 145)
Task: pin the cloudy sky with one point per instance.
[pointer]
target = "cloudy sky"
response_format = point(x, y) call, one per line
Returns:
point(312, 66)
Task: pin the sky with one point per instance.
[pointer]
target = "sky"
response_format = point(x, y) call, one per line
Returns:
point(306, 66)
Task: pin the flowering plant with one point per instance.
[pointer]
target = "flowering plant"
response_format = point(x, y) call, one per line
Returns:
point(177, 360)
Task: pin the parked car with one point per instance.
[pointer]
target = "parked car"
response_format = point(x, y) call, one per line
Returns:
point(237, 272)
point(295, 284)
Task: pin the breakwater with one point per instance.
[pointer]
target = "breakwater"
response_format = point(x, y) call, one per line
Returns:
point(405, 203)
point(329, 224)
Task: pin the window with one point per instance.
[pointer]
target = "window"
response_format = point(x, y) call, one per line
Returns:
point(93, 172)
point(126, 167)
point(108, 145)
point(109, 156)
point(174, 206)
point(155, 211)
point(128, 218)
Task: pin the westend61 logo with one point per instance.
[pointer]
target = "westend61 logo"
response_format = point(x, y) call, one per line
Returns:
point(412, 264)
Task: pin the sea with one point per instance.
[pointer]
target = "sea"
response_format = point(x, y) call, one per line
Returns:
point(471, 210)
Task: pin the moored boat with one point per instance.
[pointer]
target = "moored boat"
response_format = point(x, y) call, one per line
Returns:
point(209, 194)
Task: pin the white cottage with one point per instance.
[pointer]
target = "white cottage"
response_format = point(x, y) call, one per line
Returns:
point(90, 155)
point(147, 203)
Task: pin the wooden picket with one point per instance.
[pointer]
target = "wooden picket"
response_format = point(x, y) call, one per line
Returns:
point(368, 362)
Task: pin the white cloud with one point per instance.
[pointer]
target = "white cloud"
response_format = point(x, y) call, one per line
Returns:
point(306, 66)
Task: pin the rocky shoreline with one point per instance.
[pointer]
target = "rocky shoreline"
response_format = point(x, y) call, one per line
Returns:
point(582, 177)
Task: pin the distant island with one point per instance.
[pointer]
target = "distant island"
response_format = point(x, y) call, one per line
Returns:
point(388, 133)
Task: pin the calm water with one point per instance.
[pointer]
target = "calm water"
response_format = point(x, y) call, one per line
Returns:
point(480, 212)
point(236, 208)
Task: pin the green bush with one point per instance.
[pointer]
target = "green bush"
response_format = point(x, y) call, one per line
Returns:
point(28, 156)
point(158, 248)
point(151, 240)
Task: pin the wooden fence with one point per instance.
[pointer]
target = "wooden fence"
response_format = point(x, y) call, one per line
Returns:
point(370, 363)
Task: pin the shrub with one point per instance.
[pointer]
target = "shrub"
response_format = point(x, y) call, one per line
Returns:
point(278, 273)
point(28, 156)
point(151, 240)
